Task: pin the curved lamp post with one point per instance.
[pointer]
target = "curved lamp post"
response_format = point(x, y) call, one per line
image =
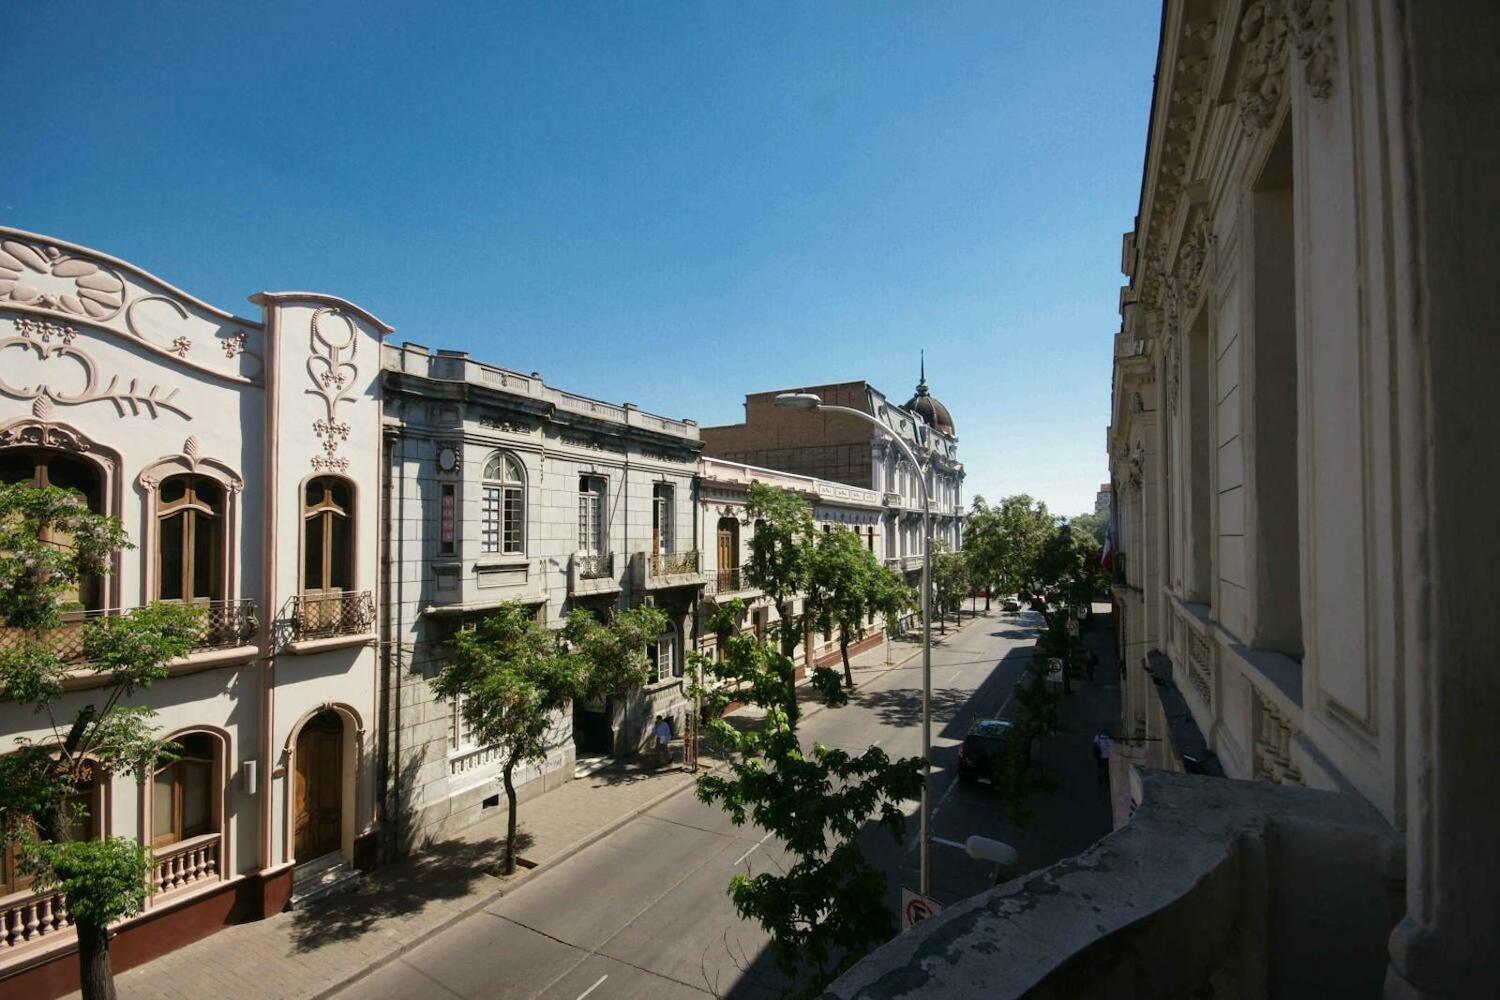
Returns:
point(812, 403)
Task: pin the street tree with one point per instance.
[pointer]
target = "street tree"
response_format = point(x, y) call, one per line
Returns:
point(781, 548)
point(827, 910)
point(846, 584)
point(984, 548)
point(1024, 527)
point(49, 543)
point(950, 582)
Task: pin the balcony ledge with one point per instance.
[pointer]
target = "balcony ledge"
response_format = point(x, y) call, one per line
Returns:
point(300, 646)
point(1214, 886)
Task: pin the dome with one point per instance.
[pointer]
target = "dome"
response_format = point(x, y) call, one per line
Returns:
point(929, 407)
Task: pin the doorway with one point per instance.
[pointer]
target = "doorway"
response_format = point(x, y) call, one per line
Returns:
point(318, 823)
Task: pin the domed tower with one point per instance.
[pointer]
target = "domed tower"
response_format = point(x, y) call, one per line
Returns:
point(929, 407)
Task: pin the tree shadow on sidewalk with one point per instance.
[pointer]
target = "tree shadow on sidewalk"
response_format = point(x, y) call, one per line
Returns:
point(448, 870)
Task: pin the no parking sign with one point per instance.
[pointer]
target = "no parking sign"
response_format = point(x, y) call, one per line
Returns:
point(916, 907)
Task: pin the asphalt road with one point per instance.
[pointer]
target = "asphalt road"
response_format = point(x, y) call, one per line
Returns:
point(644, 912)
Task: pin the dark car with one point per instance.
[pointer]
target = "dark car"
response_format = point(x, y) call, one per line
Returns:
point(981, 750)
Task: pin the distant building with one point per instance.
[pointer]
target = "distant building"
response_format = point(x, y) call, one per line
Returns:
point(846, 450)
point(1104, 500)
point(723, 489)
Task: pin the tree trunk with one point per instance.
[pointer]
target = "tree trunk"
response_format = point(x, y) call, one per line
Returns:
point(510, 821)
point(95, 977)
point(987, 598)
point(844, 652)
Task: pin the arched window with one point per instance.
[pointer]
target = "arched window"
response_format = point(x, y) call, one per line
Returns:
point(327, 535)
point(503, 505)
point(183, 792)
point(81, 811)
point(190, 538)
point(46, 467)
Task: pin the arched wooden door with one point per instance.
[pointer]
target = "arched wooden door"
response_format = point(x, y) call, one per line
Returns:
point(318, 821)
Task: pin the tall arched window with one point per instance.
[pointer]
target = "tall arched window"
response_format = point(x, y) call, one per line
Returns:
point(46, 467)
point(327, 535)
point(190, 539)
point(182, 792)
point(503, 505)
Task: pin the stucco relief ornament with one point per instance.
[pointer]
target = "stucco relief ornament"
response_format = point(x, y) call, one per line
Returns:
point(69, 363)
point(1171, 363)
point(1263, 29)
point(45, 329)
point(38, 275)
point(181, 346)
point(234, 344)
point(331, 366)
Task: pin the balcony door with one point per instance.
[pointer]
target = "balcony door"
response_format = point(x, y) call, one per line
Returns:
point(729, 552)
point(45, 467)
point(319, 793)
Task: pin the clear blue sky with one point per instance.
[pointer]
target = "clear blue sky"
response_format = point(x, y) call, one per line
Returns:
point(670, 204)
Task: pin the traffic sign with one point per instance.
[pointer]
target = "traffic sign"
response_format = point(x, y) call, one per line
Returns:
point(916, 907)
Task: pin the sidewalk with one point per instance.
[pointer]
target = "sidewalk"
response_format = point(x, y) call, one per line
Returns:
point(313, 952)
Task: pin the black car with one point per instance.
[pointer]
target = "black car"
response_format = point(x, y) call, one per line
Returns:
point(981, 750)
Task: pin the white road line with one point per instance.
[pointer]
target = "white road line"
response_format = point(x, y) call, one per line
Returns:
point(594, 987)
point(740, 860)
point(950, 843)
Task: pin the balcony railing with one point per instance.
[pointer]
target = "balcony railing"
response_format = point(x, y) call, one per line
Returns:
point(226, 624)
point(324, 616)
point(727, 581)
point(595, 565)
point(27, 917)
point(186, 863)
point(674, 563)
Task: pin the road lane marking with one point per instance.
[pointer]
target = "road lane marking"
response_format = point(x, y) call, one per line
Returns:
point(594, 987)
point(739, 860)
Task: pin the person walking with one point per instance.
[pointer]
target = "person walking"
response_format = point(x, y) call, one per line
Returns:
point(662, 732)
point(1101, 755)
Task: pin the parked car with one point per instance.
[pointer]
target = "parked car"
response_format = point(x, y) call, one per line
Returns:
point(1011, 604)
point(982, 748)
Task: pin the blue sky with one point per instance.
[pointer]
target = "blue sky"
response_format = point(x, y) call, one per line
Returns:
point(670, 204)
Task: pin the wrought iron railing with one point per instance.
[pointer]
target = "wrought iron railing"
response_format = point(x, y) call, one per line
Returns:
point(727, 581)
point(226, 624)
point(323, 616)
point(595, 565)
point(674, 563)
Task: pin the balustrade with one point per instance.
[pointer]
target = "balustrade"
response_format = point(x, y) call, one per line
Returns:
point(26, 917)
point(186, 862)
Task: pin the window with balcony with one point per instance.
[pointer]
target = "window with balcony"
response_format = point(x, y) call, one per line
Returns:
point(183, 792)
point(591, 493)
point(47, 467)
point(503, 505)
point(327, 535)
point(189, 539)
point(662, 495)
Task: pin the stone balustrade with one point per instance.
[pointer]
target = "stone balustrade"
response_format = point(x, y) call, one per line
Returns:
point(186, 862)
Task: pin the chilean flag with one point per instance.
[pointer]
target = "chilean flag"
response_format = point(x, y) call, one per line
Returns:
point(1107, 560)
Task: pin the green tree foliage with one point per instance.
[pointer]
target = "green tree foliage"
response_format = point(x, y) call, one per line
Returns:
point(49, 541)
point(846, 585)
point(1096, 526)
point(1005, 541)
point(950, 582)
point(511, 677)
point(781, 549)
point(827, 909)
point(614, 654)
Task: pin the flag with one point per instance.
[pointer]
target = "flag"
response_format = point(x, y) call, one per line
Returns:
point(1107, 560)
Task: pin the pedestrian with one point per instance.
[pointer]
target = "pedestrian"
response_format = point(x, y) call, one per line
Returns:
point(1091, 658)
point(1101, 755)
point(662, 731)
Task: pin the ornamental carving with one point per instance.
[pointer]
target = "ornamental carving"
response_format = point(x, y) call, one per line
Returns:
point(191, 460)
point(1171, 363)
point(1273, 746)
point(39, 431)
point(1192, 262)
point(39, 275)
point(330, 364)
point(1266, 29)
point(71, 363)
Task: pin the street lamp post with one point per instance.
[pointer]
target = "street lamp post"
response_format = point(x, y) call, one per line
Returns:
point(812, 403)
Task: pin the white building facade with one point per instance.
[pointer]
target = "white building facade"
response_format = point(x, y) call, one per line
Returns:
point(723, 491)
point(241, 455)
point(500, 488)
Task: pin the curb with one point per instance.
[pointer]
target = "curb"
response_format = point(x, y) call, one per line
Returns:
point(510, 886)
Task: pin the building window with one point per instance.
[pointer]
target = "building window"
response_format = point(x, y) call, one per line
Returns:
point(460, 737)
point(447, 519)
point(182, 792)
point(327, 535)
point(503, 505)
point(189, 539)
point(591, 492)
point(661, 519)
point(665, 662)
point(42, 467)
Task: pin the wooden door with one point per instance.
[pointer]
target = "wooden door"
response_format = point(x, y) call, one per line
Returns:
point(729, 552)
point(318, 817)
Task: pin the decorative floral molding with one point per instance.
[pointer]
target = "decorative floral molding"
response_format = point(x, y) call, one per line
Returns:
point(132, 398)
point(1171, 362)
point(334, 343)
point(39, 275)
point(1265, 29)
point(191, 460)
point(39, 430)
point(45, 329)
